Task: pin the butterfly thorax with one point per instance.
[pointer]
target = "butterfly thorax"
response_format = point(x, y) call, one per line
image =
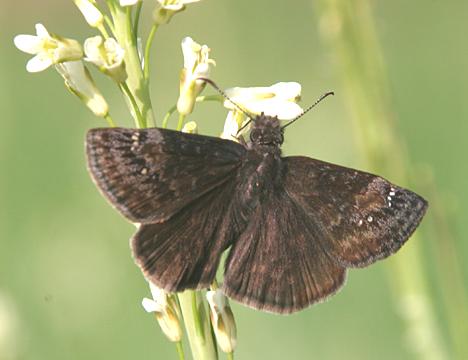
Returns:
point(260, 173)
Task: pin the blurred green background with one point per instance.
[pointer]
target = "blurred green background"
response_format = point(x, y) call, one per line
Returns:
point(68, 285)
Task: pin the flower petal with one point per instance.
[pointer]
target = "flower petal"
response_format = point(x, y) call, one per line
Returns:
point(150, 305)
point(28, 43)
point(284, 110)
point(41, 31)
point(287, 90)
point(128, 2)
point(173, 7)
point(38, 63)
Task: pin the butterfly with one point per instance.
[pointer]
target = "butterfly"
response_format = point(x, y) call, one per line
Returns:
point(292, 225)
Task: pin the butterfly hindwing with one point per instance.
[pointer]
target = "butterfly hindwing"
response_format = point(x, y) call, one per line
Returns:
point(150, 174)
point(184, 251)
point(278, 264)
point(364, 217)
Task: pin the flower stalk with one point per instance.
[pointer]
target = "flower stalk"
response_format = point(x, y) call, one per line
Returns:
point(136, 82)
point(197, 325)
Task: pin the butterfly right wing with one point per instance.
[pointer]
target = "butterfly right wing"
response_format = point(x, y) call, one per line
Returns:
point(150, 174)
point(363, 217)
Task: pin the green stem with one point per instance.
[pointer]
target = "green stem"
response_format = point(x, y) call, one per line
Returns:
point(180, 123)
point(146, 58)
point(109, 120)
point(139, 121)
point(136, 22)
point(135, 78)
point(103, 31)
point(230, 356)
point(180, 350)
point(196, 316)
point(353, 41)
point(197, 324)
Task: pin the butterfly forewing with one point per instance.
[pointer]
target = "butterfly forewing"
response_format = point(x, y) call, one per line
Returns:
point(364, 217)
point(150, 174)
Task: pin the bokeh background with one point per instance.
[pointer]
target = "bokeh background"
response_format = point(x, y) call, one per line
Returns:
point(68, 285)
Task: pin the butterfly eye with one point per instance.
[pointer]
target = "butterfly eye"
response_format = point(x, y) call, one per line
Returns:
point(254, 135)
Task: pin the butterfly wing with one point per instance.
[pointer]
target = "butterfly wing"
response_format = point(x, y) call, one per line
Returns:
point(363, 217)
point(151, 174)
point(184, 251)
point(278, 264)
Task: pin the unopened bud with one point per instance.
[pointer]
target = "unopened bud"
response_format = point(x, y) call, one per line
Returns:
point(223, 321)
point(190, 127)
point(166, 312)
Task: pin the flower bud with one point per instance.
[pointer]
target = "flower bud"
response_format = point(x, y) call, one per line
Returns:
point(166, 312)
point(168, 8)
point(90, 12)
point(79, 81)
point(223, 321)
point(190, 127)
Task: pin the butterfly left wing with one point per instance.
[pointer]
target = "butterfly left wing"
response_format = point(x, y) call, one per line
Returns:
point(184, 251)
point(151, 174)
point(363, 217)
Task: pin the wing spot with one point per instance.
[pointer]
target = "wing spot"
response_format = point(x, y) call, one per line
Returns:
point(370, 219)
point(144, 171)
point(360, 222)
point(136, 136)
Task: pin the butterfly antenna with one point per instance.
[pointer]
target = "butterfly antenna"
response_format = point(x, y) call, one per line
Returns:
point(217, 88)
point(309, 108)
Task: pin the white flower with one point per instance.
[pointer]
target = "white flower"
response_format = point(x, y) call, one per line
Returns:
point(49, 49)
point(107, 55)
point(128, 2)
point(196, 64)
point(90, 12)
point(232, 125)
point(276, 100)
point(79, 82)
point(222, 319)
point(168, 8)
point(166, 312)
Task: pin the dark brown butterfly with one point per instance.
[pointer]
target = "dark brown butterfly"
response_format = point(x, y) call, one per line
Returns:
point(293, 224)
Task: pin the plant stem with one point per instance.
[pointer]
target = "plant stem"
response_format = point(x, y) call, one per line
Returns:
point(139, 121)
point(349, 30)
point(197, 325)
point(180, 350)
point(109, 120)
point(230, 356)
point(146, 58)
point(180, 123)
point(135, 80)
point(136, 22)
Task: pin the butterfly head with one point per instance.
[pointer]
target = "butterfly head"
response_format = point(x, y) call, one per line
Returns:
point(266, 130)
